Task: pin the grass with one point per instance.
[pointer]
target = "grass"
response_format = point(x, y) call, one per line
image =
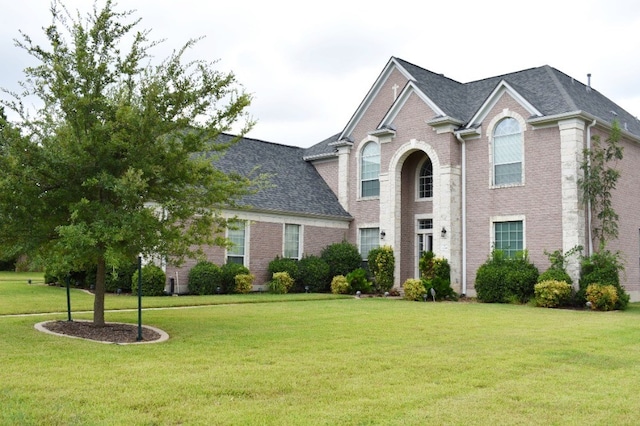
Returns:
point(326, 362)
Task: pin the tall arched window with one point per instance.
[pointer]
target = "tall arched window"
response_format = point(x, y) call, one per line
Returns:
point(370, 170)
point(507, 152)
point(425, 180)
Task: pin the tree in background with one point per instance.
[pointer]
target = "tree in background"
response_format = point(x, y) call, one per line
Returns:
point(599, 180)
point(116, 157)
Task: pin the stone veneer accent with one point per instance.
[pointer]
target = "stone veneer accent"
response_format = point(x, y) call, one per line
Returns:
point(573, 212)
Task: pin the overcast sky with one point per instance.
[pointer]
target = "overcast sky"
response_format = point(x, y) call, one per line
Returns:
point(310, 64)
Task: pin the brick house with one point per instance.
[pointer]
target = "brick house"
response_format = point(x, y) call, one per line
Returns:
point(426, 162)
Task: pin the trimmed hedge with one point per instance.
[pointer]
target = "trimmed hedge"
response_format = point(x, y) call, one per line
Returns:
point(204, 278)
point(552, 293)
point(342, 258)
point(228, 273)
point(506, 280)
point(313, 272)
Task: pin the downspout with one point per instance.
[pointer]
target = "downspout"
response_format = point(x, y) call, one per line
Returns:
point(589, 236)
point(464, 212)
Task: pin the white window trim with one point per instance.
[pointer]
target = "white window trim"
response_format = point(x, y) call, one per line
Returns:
point(300, 239)
point(508, 218)
point(416, 231)
point(358, 157)
point(367, 226)
point(506, 113)
point(417, 181)
point(247, 245)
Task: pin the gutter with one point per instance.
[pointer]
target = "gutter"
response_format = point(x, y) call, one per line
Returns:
point(464, 212)
point(589, 233)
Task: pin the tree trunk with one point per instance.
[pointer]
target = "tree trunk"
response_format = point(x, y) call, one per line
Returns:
point(98, 301)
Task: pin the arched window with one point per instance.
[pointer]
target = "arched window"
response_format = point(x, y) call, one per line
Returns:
point(370, 170)
point(425, 180)
point(507, 152)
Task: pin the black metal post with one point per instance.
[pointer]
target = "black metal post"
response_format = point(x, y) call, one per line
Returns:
point(139, 338)
point(68, 300)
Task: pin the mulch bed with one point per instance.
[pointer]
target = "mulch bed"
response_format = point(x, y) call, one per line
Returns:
point(110, 332)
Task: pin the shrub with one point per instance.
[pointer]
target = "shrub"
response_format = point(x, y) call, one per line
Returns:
point(153, 281)
point(413, 289)
point(340, 285)
point(555, 274)
point(436, 274)
point(244, 283)
point(283, 264)
point(228, 273)
point(505, 280)
point(602, 297)
point(603, 268)
point(381, 263)
point(358, 281)
point(342, 258)
point(280, 283)
point(552, 293)
point(204, 278)
point(313, 272)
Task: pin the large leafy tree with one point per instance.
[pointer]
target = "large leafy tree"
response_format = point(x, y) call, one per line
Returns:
point(116, 157)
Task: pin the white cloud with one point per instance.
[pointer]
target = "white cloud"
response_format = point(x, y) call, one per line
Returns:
point(310, 64)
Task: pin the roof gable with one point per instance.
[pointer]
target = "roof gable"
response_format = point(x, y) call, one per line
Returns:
point(501, 89)
point(409, 89)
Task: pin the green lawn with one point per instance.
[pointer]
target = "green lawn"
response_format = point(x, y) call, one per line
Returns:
point(328, 362)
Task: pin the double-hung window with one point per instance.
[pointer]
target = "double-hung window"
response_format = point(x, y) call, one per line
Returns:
point(236, 234)
point(370, 170)
point(507, 153)
point(292, 241)
point(369, 239)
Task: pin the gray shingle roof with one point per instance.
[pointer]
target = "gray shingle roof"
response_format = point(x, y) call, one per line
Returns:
point(550, 91)
point(295, 185)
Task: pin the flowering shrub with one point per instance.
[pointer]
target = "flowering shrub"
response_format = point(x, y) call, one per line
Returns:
point(281, 283)
point(552, 293)
point(244, 283)
point(413, 289)
point(340, 285)
point(602, 297)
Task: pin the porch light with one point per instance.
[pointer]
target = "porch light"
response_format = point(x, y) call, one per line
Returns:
point(443, 233)
point(382, 235)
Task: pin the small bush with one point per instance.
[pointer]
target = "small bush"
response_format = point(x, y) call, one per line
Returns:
point(436, 274)
point(603, 268)
point(602, 297)
point(506, 280)
point(280, 283)
point(381, 262)
point(413, 289)
point(244, 283)
point(552, 293)
point(340, 285)
point(228, 273)
point(204, 278)
point(313, 272)
point(283, 264)
point(153, 281)
point(358, 281)
point(342, 258)
point(555, 274)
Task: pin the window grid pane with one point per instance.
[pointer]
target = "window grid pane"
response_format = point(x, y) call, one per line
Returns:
point(507, 152)
point(509, 237)
point(292, 241)
point(426, 180)
point(425, 223)
point(236, 236)
point(370, 170)
point(368, 240)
